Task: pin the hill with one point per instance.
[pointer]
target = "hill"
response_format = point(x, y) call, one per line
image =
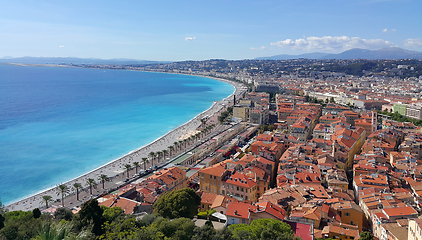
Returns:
point(355, 53)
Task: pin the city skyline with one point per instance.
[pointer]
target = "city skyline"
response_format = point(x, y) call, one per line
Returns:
point(187, 30)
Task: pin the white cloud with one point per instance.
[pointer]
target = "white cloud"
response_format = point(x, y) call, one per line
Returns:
point(413, 42)
point(386, 30)
point(329, 43)
point(61, 46)
point(189, 38)
point(260, 48)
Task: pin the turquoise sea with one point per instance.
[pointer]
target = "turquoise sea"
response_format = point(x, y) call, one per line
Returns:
point(58, 123)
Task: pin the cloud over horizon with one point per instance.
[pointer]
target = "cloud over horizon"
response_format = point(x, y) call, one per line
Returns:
point(190, 38)
point(259, 48)
point(330, 43)
point(413, 42)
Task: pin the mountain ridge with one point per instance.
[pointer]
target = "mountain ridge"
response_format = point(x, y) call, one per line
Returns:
point(355, 53)
point(75, 60)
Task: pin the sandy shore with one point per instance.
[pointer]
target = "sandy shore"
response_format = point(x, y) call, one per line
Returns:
point(116, 166)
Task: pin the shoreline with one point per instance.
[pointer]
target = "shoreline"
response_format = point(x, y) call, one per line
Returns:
point(112, 169)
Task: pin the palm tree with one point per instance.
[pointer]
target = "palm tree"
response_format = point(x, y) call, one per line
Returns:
point(164, 153)
point(185, 141)
point(90, 182)
point(77, 187)
point(180, 144)
point(62, 189)
point(103, 178)
point(152, 155)
point(171, 148)
point(175, 144)
point(158, 155)
point(136, 165)
point(46, 199)
point(128, 167)
point(145, 161)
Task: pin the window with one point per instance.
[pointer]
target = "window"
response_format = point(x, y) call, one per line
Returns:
point(210, 176)
point(241, 189)
point(352, 223)
point(246, 197)
point(346, 214)
point(222, 192)
point(257, 188)
point(206, 188)
point(237, 188)
point(223, 184)
point(215, 177)
point(243, 221)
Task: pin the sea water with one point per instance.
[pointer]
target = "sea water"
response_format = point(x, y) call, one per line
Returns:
point(57, 123)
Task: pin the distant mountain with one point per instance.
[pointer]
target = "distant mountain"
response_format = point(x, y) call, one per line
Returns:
point(356, 53)
point(73, 60)
point(315, 55)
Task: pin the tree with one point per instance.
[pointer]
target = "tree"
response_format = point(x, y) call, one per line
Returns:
point(62, 189)
point(164, 153)
point(332, 100)
point(111, 213)
point(180, 228)
point(366, 236)
point(128, 167)
point(145, 161)
point(36, 213)
point(171, 148)
point(159, 155)
point(91, 183)
point(46, 199)
point(264, 228)
point(91, 213)
point(178, 203)
point(136, 165)
point(63, 214)
point(77, 187)
point(152, 155)
point(207, 213)
point(175, 144)
point(103, 178)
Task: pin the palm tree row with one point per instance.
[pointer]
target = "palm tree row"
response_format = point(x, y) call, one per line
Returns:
point(63, 189)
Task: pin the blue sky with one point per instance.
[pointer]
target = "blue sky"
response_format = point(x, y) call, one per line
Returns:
point(199, 30)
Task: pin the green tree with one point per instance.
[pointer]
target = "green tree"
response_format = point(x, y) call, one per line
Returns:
point(77, 187)
point(366, 236)
point(54, 231)
point(178, 203)
point(91, 213)
point(36, 213)
point(128, 167)
point(179, 228)
point(103, 178)
point(207, 213)
point(91, 183)
point(204, 232)
point(152, 155)
point(136, 165)
point(262, 229)
point(46, 199)
point(145, 161)
point(111, 213)
point(62, 189)
point(63, 214)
